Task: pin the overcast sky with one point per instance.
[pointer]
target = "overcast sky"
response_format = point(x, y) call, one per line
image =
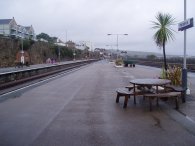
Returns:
point(92, 20)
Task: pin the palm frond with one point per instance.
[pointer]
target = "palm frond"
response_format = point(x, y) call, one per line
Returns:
point(163, 27)
point(164, 31)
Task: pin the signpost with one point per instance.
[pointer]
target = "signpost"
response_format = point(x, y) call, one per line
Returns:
point(183, 26)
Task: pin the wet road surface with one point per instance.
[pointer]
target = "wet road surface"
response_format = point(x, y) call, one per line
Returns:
point(79, 109)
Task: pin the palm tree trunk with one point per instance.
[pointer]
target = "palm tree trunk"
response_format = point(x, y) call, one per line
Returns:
point(165, 60)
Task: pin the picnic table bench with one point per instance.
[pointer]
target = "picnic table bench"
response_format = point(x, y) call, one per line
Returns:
point(174, 95)
point(123, 92)
point(127, 92)
point(177, 89)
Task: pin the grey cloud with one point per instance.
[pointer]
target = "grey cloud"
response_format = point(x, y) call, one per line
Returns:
point(91, 20)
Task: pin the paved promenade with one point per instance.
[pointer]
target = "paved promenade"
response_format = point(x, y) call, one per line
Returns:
point(79, 109)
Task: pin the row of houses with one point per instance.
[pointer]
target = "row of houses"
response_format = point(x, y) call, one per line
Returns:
point(69, 44)
point(9, 28)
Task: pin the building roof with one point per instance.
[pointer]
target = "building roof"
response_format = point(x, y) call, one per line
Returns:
point(70, 42)
point(28, 27)
point(5, 21)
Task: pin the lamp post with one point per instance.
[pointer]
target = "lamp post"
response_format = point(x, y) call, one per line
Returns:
point(117, 40)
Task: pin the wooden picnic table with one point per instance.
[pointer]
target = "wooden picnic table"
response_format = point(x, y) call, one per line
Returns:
point(148, 82)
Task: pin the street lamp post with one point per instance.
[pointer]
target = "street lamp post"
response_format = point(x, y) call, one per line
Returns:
point(117, 40)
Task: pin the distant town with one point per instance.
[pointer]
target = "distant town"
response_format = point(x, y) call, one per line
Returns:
point(20, 43)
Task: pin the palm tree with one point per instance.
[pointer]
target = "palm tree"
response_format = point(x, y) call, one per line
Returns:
point(164, 31)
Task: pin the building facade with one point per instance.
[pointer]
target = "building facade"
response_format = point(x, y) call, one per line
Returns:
point(71, 44)
point(9, 28)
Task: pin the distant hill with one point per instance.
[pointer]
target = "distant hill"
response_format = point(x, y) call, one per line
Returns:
point(134, 53)
point(139, 53)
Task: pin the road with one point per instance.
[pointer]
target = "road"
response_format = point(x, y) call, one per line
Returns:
point(79, 109)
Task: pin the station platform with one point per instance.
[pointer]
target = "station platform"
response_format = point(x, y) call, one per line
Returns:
point(79, 108)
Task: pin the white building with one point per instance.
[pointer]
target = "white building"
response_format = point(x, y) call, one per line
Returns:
point(9, 28)
point(59, 42)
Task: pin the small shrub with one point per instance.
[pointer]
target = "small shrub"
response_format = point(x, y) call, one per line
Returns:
point(174, 74)
point(119, 62)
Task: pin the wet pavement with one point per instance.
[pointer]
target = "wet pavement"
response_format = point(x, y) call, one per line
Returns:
point(79, 109)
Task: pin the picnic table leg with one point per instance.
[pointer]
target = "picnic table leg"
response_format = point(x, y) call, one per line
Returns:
point(126, 101)
point(157, 97)
point(134, 93)
point(150, 102)
point(176, 102)
point(183, 94)
point(117, 98)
